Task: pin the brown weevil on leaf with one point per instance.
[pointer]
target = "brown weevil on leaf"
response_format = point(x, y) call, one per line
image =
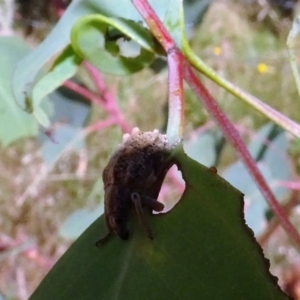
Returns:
point(133, 178)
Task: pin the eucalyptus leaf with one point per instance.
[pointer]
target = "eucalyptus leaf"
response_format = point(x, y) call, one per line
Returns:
point(34, 66)
point(270, 148)
point(14, 123)
point(194, 11)
point(65, 138)
point(202, 249)
point(255, 204)
point(69, 108)
point(201, 147)
point(65, 66)
point(88, 38)
point(78, 221)
point(277, 159)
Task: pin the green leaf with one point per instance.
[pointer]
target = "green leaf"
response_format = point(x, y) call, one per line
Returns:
point(31, 66)
point(69, 107)
point(14, 123)
point(63, 68)
point(256, 206)
point(88, 39)
point(194, 12)
point(201, 147)
point(31, 69)
point(78, 221)
point(270, 145)
point(202, 250)
point(66, 138)
point(71, 111)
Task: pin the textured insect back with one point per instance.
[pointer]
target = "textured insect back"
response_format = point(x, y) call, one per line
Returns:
point(133, 178)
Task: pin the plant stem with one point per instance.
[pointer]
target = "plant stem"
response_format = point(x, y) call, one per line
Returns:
point(97, 78)
point(83, 92)
point(99, 125)
point(176, 96)
point(175, 66)
point(106, 102)
point(291, 40)
point(107, 98)
point(155, 25)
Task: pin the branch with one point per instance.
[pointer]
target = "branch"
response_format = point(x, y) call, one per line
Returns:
point(105, 100)
point(175, 65)
point(291, 41)
point(176, 95)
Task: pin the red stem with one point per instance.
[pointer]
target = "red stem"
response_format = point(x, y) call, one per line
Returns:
point(175, 65)
point(176, 94)
point(108, 99)
point(106, 102)
point(155, 25)
point(100, 125)
point(83, 92)
point(97, 78)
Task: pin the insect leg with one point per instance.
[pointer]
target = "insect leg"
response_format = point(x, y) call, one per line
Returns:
point(106, 237)
point(136, 199)
point(153, 203)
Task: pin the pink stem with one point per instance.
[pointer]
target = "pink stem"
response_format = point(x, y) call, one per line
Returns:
point(156, 26)
point(232, 135)
point(175, 65)
point(100, 125)
point(83, 92)
point(176, 94)
point(107, 98)
point(109, 104)
point(96, 76)
point(292, 185)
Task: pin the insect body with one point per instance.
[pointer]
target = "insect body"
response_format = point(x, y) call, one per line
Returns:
point(133, 178)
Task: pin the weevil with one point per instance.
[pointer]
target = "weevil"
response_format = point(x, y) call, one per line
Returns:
point(132, 179)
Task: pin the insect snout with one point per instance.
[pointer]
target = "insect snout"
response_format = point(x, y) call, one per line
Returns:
point(119, 227)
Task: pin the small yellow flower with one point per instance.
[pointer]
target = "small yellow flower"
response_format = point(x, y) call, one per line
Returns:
point(262, 68)
point(217, 51)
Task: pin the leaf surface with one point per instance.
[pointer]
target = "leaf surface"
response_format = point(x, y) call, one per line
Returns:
point(202, 250)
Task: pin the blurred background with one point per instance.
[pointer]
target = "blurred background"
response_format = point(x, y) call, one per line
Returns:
point(50, 180)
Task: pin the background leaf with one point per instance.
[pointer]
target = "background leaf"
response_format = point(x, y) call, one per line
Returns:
point(194, 11)
point(273, 162)
point(69, 107)
point(65, 138)
point(94, 28)
point(201, 147)
point(63, 68)
point(270, 144)
point(14, 123)
point(70, 113)
point(255, 204)
point(202, 250)
point(78, 221)
point(32, 68)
